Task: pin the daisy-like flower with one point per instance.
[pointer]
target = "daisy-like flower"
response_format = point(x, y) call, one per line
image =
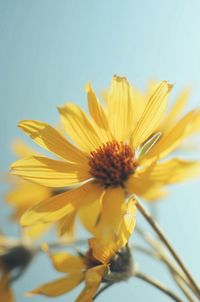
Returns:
point(115, 152)
point(105, 261)
point(14, 258)
point(24, 194)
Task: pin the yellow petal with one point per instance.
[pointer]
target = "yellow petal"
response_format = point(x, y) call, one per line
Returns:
point(61, 205)
point(36, 231)
point(102, 250)
point(99, 116)
point(59, 286)
point(93, 279)
point(66, 225)
point(105, 250)
point(152, 85)
point(49, 172)
point(139, 104)
point(95, 109)
point(126, 226)
point(139, 185)
point(187, 126)
point(66, 263)
point(113, 205)
point(120, 108)
point(145, 187)
point(152, 114)
point(176, 110)
point(171, 171)
point(141, 99)
point(79, 128)
point(95, 275)
point(21, 149)
point(89, 215)
point(155, 193)
point(20, 195)
point(6, 294)
point(104, 95)
point(51, 140)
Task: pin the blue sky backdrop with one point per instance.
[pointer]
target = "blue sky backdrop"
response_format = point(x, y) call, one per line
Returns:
point(50, 49)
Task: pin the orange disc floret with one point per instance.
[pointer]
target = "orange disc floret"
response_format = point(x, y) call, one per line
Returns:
point(112, 163)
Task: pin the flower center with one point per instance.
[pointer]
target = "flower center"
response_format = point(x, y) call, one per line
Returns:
point(112, 163)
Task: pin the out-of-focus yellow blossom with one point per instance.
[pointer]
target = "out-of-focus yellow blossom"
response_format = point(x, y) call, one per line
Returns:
point(118, 151)
point(107, 260)
point(24, 194)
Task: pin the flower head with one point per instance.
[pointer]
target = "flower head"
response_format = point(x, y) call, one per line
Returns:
point(106, 260)
point(117, 151)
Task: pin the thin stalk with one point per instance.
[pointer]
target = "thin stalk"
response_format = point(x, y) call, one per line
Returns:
point(177, 278)
point(144, 250)
point(102, 289)
point(161, 255)
point(158, 285)
point(183, 287)
point(168, 245)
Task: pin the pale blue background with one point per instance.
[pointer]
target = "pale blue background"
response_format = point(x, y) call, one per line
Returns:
point(50, 49)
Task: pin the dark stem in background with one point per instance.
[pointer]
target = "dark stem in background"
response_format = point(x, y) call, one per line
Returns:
point(168, 245)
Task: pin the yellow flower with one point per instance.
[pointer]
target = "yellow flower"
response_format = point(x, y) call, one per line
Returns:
point(117, 151)
point(24, 194)
point(108, 261)
point(14, 258)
